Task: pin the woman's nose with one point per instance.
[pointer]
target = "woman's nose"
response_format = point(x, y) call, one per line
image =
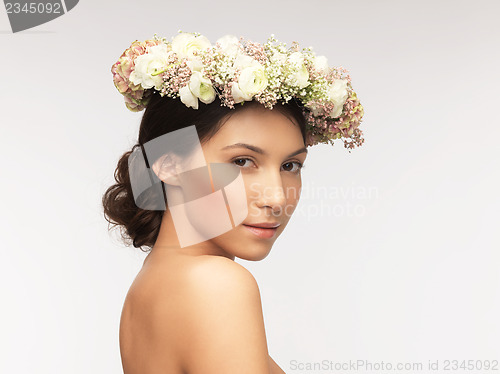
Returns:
point(270, 191)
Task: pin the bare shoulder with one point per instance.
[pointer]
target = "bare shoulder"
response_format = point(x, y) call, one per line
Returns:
point(221, 275)
point(201, 315)
point(223, 318)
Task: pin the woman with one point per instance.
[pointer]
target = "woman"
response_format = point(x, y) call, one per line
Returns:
point(192, 308)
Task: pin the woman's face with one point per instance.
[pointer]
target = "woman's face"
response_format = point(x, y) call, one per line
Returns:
point(268, 149)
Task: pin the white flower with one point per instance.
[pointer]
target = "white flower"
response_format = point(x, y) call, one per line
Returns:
point(296, 58)
point(252, 80)
point(338, 94)
point(244, 61)
point(153, 61)
point(188, 98)
point(229, 45)
point(201, 87)
point(321, 64)
point(238, 95)
point(195, 64)
point(278, 57)
point(301, 75)
point(185, 44)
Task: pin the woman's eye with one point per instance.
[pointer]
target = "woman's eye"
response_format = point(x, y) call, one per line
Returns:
point(289, 166)
point(238, 162)
point(293, 167)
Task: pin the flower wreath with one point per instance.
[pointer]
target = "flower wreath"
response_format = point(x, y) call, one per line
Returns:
point(191, 68)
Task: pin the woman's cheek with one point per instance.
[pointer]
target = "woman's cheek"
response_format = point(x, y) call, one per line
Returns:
point(293, 196)
point(252, 187)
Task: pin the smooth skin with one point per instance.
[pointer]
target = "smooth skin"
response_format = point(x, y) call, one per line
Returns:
point(194, 310)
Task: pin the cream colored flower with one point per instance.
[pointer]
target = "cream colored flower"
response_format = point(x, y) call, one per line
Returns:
point(244, 61)
point(321, 64)
point(195, 64)
point(301, 75)
point(147, 64)
point(199, 87)
point(202, 88)
point(338, 94)
point(251, 81)
point(230, 45)
point(278, 57)
point(185, 44)
point(188, 98)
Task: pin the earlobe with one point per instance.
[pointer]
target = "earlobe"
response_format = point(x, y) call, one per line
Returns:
point(166, 169)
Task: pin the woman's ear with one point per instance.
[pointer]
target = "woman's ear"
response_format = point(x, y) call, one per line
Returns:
point(167, 169)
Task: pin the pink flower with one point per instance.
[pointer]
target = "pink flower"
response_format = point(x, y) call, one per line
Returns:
point(122, 69)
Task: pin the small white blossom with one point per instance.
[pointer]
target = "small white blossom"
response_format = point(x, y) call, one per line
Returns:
point(321, 64)
point(185, 44)
point(278, 57)
point(230, 45)
point(301, 75)
point(244, 61)
point(202, 88)
point(338, 94)
point(188, 98)
point(195, 64)
point(147, 64)
point(252, 80)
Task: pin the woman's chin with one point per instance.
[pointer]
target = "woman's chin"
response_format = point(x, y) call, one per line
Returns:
point(245, 248)
point(247, 244)
point(254, 254)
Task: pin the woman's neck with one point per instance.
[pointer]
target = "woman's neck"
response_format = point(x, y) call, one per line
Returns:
point(167, 242)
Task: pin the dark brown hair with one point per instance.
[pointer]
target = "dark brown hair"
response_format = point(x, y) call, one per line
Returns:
point(162, 115)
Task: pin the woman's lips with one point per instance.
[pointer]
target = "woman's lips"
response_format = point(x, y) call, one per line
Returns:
point(261, 232)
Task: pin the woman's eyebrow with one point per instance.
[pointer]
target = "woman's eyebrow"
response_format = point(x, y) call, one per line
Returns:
point(260, 150)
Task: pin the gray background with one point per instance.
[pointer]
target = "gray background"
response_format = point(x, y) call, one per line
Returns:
point(412, 277)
